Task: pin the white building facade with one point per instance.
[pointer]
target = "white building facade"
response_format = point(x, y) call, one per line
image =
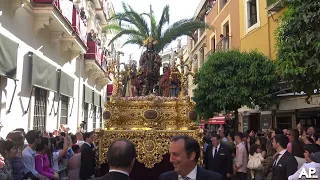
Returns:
point(50, 72)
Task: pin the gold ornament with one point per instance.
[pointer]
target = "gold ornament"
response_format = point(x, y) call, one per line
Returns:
point(150, 145)
point(149, 122)
point(150, 40)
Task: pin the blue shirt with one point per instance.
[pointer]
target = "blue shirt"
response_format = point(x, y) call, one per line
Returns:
point(28, 159)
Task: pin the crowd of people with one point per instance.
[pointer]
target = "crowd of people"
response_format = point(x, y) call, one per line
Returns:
point(275, 154)
point(43, 156)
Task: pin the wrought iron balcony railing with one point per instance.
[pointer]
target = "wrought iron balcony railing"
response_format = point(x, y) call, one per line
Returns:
point(224, 44)
point(209, 53)
point(274, 5)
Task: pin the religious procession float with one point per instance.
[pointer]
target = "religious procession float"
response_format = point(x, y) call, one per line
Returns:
point(146, 107)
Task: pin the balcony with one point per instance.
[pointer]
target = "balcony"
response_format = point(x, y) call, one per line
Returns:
point(224, 44)
point(102, 12)
point(61, 18)
point(94, 63)
point(274, 5)
point(209, 53)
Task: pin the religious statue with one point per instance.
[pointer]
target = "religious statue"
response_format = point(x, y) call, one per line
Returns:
point(175, 83)
point(129, 80)
point(149, 68)
point(165, 81)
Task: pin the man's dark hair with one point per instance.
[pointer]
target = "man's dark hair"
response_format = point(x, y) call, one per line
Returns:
point(216, 136)
point(32, 135)
point(278, 131)
point(120, 153)
point(282, 140)
point(87, 135)
point(73, 139)
point(297, 149)
point(294, 133)
point(240, 134)
point(190, 145)
point(312, 148)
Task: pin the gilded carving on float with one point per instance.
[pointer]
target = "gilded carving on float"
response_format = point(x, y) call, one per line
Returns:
point(148, 120)
point(150, 145)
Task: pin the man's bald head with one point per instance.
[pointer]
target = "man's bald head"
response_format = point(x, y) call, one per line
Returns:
point(121, 154)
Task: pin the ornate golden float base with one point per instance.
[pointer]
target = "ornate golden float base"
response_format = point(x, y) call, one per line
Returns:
point(150, 145)
point(149, 122)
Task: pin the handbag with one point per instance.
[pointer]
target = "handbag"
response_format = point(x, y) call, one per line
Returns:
point(255, 161)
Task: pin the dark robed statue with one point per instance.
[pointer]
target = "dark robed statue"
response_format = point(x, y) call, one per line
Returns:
point(149, 68)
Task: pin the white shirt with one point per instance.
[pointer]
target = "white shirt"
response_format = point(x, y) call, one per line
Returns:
point(215, 149)
point(192, 175)
point(306, 167)
point(119, 171)
point(281, 154)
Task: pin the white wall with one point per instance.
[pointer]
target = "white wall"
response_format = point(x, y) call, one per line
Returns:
point(20, 28)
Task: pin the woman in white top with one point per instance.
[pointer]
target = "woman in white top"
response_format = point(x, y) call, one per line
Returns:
point(312, 156)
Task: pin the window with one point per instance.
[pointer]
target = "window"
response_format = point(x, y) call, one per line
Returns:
point(40, 109)
point(64, 110)
point(252, 13)
point(284, 122)
point(94, 117)
point(85, 116)
point(213, 44)
point(223, 3)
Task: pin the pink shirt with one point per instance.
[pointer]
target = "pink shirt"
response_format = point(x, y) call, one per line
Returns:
point(43, 165)
point(241, 159)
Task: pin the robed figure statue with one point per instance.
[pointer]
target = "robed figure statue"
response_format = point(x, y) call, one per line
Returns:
point(149, 68)
point(129, 80)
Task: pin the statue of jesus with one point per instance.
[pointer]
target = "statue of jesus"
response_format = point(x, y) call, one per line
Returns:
point(149, 68)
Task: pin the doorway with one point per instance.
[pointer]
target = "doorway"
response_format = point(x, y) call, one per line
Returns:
point(254, 122)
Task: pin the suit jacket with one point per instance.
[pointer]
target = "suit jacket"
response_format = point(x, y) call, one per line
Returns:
point(114, 176)
point(202, 174)
point(88, 162)
point(287, 165)
point(221, 162)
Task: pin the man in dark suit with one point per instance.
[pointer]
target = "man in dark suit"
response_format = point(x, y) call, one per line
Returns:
point(88, 161)
point(285, 164)
point(218, 157)
point(184, 154)
point(121, 156)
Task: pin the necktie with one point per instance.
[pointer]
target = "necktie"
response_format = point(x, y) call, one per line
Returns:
point(215, 152)
point(275, 159)
point(185, 178)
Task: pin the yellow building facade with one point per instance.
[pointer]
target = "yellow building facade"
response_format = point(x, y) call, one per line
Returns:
point(258, 21)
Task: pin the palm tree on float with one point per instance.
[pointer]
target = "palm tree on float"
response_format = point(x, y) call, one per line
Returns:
point(138, 30)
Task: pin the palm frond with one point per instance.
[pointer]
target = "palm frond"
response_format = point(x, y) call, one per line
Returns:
point(130, 32)
point(165, 18)
point(134, 40)
point(140, 22)
point(177, 29)
point(115, 27)
point(153, 23)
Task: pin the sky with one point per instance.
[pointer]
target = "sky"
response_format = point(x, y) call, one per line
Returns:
point(179, 9)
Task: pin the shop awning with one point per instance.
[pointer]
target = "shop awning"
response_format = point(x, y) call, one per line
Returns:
point(96, 99)
point(88, 95)
point(8, 57)
point(217, 120)
point(66, 84)
point(44, 74)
